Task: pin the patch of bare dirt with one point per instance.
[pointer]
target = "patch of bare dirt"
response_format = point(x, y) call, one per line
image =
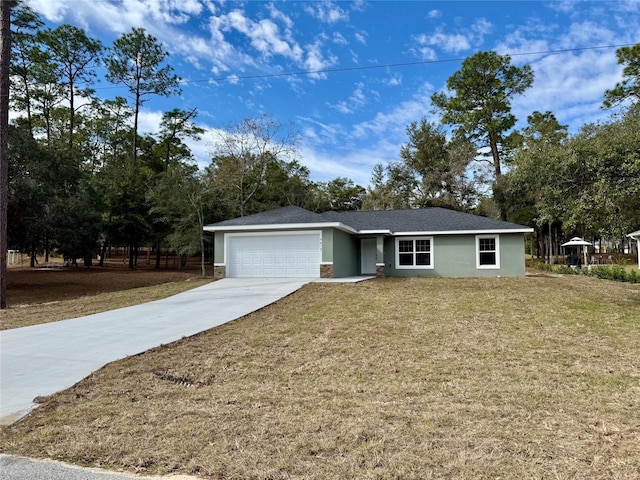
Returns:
point(34, 286)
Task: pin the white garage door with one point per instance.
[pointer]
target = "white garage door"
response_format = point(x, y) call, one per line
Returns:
point(282, 255)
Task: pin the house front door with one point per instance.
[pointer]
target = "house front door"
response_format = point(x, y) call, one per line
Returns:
point(368, 256)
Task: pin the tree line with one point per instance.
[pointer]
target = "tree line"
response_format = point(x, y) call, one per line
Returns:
point(474, 160)
point(83, 178)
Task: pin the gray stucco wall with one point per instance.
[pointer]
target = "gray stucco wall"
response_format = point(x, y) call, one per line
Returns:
point(218, 248)
point(346, 254)
point(455, 256)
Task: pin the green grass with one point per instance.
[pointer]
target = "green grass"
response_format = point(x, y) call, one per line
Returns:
point(391, 378)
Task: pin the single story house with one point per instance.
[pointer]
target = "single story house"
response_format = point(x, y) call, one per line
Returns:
point(430, 242)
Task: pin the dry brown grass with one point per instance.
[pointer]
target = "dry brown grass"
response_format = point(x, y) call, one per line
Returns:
point(392, 378)
point(40, 296)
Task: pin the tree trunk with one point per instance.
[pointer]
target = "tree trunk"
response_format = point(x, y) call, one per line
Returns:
point(5, 56)
point(158, 255)
point(103, 252)
point(549, 246)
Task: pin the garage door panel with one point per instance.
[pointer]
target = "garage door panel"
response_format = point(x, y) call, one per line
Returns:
point(287, 255)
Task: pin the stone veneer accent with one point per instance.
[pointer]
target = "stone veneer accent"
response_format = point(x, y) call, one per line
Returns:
point(326, 271)
point(380, 271)
point(219, 272)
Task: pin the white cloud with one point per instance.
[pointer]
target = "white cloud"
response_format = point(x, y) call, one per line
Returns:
point(52, 11)
point(361, 37)
point(393, 123)
point(434, 14)
point(451, 42)
point(264, 35)
point(339, 39)
point(279, 16)
point(315, 61)
point(425, 53)
point(326, 166)
point(356, 100)
point(149, 121)
point(316, 131)
point(327, 12)
point(394, 80)
point(481, 27)
point(202, 149)
point(570, 84)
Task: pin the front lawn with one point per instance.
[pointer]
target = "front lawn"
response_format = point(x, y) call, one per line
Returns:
point(392, 378)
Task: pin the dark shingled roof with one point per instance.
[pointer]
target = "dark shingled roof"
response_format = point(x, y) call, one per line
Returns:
point(432, 219)
point(417, 220)
point(279, 216)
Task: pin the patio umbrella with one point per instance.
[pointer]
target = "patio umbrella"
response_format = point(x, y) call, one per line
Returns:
point(578, 242)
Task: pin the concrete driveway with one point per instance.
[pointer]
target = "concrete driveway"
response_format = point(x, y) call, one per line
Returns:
point(43, 359)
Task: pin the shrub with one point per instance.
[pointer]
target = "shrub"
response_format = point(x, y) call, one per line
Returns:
point(565, 269)
point(546, 267)
point(613, 272)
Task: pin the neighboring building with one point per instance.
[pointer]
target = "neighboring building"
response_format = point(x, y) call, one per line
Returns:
point(430, 242)
point(636, 236)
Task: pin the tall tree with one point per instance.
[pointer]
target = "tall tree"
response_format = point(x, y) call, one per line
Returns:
point(30, 188)
point(528, 184)
point(5, 60)
point(341, 194)
point(543, 129)
point(137, 61)
point(401, 185)
point(285, 183)
point(75, 57)
point(177, 124)
point(112, 129)
point(480, 105)
point(242, 154)
point(589, 183)
point(439, 167)
point(181, 198)
point(26, 56)
point(378, 196)
point(629, 87)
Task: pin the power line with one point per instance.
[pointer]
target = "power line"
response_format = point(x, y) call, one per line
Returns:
point(392, 65)
point(376, 67)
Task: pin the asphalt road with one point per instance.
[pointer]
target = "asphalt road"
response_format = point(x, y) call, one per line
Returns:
point(20, 468)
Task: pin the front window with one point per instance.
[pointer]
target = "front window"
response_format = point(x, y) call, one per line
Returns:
point(487, 251)
point(414, 252)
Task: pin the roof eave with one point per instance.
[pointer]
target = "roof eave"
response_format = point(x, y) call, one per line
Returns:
point(279, 226)
point(375, 232)
point(490, 231)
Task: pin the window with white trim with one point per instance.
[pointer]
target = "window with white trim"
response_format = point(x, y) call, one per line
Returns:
point(414, 252)
point(487, 251)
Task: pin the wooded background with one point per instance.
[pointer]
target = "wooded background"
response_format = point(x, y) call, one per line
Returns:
point(82, 178)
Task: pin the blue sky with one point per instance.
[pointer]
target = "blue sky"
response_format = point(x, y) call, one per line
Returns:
point(373, 66)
